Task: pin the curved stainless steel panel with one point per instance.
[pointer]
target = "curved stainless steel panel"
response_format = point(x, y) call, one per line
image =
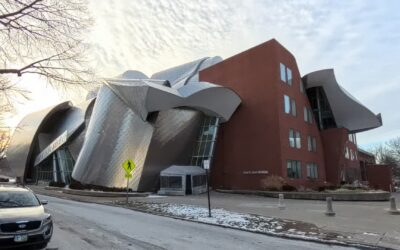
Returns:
point(22, 142)
point(115, 134)
point(76, 143)
point(144, 96)
point(175, 134)
point(70, 121)
point(347, 111)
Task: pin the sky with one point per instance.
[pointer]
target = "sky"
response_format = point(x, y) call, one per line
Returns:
point(359, 39)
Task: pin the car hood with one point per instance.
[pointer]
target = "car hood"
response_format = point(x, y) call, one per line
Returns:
point(21, 214)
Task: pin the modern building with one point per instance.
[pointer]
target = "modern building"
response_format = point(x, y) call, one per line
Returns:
point(253, 115)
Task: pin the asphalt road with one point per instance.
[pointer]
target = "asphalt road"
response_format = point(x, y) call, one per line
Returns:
point(91, 226)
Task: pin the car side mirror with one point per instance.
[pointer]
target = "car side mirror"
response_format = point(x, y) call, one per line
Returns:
point(44, 202)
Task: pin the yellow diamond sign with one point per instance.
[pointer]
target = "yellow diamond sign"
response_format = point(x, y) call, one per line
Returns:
point(129, 166)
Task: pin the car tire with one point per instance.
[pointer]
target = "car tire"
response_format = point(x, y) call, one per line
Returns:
point(42, 246)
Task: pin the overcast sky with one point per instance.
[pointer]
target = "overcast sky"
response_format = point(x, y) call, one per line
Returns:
point(359, 39)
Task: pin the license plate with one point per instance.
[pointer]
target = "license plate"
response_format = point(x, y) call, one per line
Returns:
point(20, 238)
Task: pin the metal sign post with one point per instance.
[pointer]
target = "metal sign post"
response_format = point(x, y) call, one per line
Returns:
point(129, 166)
point(206, 164)
point(127, 190)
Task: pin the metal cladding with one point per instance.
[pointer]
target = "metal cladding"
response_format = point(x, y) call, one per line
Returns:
point(347, 111)
point(22, 142)
point(154, 122)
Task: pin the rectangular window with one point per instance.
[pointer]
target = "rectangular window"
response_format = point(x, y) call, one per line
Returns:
point(346, 152)
point(311, 144)
point(292, 142)
point(312, 170)
point(301, 87)
point(310, 118)
point(294, 169)
point(289, 76)
point(308, 115)
point(171, 182)
point(351, 155)
point(286, 100)
point(350, 137)
point(283, 72)
point(298, 140)
point(293, 107)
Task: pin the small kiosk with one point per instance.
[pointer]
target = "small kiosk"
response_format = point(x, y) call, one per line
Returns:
point(183, 180)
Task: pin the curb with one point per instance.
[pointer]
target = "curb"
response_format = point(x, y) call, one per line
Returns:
point(102, 194)
point(359, 245)
point(95, 193)
point(377, 196)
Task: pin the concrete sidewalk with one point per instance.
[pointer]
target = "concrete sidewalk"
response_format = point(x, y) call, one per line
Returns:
point(365, 222)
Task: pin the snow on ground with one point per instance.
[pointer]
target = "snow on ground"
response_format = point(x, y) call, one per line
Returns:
point(249, 222)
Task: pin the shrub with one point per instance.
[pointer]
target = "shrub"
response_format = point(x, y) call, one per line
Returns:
point(56, 184)
point(272, 183)
point(288, 188)
point(77, 185)
point(326, 187)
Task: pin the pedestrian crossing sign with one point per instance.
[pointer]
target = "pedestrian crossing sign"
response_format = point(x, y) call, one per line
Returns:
point(129, 166)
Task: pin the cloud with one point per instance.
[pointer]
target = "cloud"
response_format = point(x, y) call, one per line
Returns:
point(359, 39)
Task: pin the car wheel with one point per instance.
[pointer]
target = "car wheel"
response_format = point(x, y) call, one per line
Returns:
point(42, 246)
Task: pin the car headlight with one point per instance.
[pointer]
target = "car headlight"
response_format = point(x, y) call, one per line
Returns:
point(47, 220)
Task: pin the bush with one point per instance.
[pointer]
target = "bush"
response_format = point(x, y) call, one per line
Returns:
point(272, 183)
point(77, 185)
point(288, 188)
point(57, 184)
point(326, 187)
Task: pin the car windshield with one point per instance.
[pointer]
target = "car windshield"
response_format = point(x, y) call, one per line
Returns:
point(17, 199)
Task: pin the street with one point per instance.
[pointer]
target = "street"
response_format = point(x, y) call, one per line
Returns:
point(92, 226)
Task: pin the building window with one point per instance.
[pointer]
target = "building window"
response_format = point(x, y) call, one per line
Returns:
point(312, 170)
point(298, 140)
point(289, 76)
point(287, 104)
point(292, 141)
point(308, 115)
point(204, 147)
point(351, 155)
point(199, 180)
point(352, 138)
point(171, 182)
point(314, 144)
point(286, 74)
point(310, 118)
point(294, 169)
point(293, 107)
point(301, 87)
point(311, 144)
point(346, 152)
point(283, 72)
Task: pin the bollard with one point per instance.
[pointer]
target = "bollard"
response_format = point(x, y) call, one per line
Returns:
point(281, 205)
point(329, 208)
point(393, 209)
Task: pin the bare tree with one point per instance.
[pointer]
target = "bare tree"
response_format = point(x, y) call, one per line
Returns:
point(383, 155)
point(4, 140)
point(44, 37)
point(394, 148)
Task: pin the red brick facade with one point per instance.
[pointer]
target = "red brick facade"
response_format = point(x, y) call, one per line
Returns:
point(255, 142)
point(380, 176)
